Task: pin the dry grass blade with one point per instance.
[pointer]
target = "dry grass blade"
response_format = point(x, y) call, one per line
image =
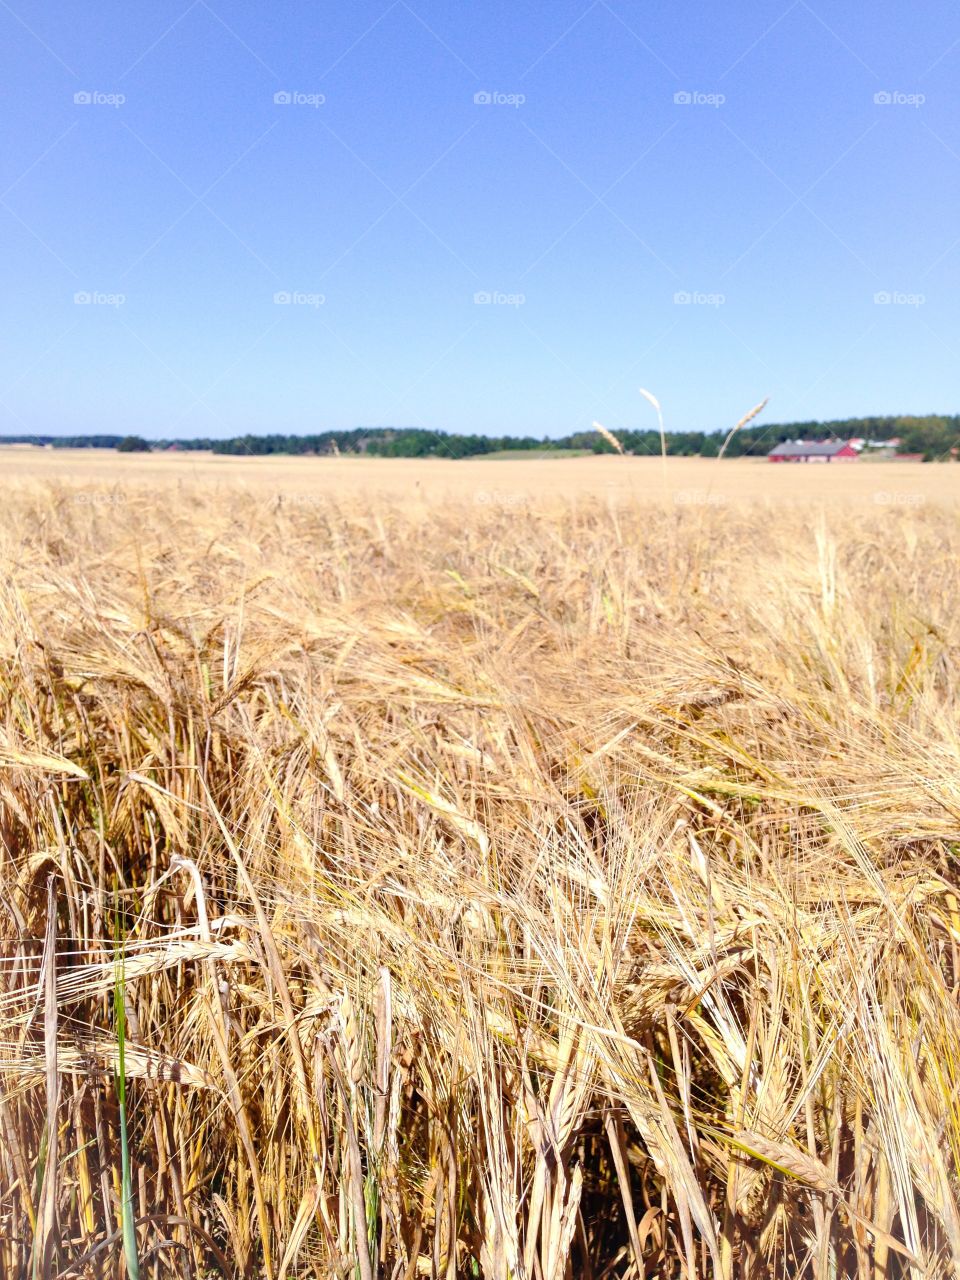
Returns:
point(47, 1242)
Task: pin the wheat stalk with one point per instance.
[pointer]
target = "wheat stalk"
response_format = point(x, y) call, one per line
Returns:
point(652, 399)
point(610, 438)
point(747, 417)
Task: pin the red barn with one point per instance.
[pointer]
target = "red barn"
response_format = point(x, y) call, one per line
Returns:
point(814, 451)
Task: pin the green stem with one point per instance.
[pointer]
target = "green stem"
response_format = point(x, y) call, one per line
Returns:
point(128, 1229)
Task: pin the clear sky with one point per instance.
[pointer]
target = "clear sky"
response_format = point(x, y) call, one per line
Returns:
point(621, 157)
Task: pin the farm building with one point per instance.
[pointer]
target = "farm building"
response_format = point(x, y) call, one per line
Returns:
point(814, 451)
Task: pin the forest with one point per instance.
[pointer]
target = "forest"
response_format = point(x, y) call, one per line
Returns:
point(936, 437)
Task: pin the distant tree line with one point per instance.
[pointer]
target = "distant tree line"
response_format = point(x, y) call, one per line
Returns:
point(66, 442)
point(934, 436)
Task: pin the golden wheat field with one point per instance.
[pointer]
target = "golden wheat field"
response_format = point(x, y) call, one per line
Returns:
point(502, 483)
point(399, 882)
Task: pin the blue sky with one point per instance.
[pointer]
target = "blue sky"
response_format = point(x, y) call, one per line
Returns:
point(712, 201)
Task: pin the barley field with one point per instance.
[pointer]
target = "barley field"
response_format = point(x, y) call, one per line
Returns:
point(541, 481)
point(463, 871)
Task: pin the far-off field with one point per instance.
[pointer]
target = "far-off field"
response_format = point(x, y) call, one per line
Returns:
point(441, 870)
point(503, 482)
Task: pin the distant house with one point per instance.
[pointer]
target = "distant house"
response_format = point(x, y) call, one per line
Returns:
point(814, 451)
